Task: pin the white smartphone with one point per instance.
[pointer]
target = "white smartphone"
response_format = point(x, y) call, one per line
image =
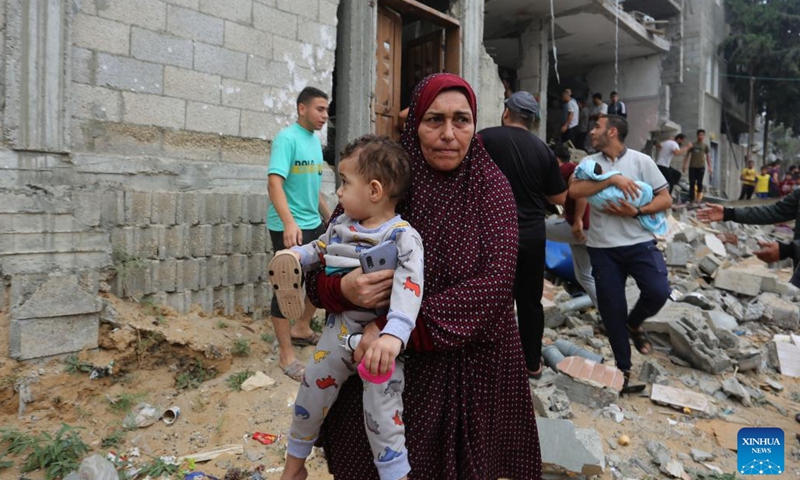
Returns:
point(380, 257)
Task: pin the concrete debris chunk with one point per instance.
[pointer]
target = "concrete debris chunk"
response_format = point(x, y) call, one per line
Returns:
point(652, 371)
point(565, 452)
point(677, 254)
point(773, 384)
point(673, 468)
point(676, 397)
point(780, 312)
point(698, 300)
point(738, 281)
point(688, 235)
point(715, 245)
point(788, 358)
point(732, 387)
point(720, 320)
point(700, 456)
point(658, 451)
point(773, 285)
point(550, 402)
point(693, 341)
point(259, 380)
point(709, 264)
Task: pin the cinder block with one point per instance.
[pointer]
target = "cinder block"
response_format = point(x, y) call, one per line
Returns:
point(191, 209)
point(200, 241)
point(47, 242)
point(194, 145)
point(217, 271)
point(150, 14)
point(96, 103)
point(43, 337)
point(738, 281)
point(248, 39)
point(180, 301)
point(261, 125)
point(224, 300)
point(584, 393)
point(125, 138)
point(303, 8)
point(235, 204)
point(163, 208)
point(191, 85)
point(125, 73)
point(244, 150)
point(242, 236)
point(327, 13)
point(237, 269)
point(97, 33)
point(112, 208)
point(268, 71)
point(203, 117)
point(257, 208)
point(122, 240)
point(239, 94)
point(194, 25)
point(258, 240)
point(222, 239)
point(216, 208)
point(202, 272)
point(82, 65)
point(222, 61)
point(244, 298)
point(177, 241)
point(272, 20)
point(85, 209)
point(38, 223)
point(286, 50)
point(153, 110)
point(135, 279)
point(204, 299)
point(158, 48)
point(168, 275)
point(59, 261)
point(317, 33)
point(263, 296)
point(258, 268)
point(189, 274)
point(779, 312)
point(148, 242)
point(236, 10)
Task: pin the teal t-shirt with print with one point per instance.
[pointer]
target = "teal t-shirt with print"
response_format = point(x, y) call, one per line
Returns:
point(297, 157)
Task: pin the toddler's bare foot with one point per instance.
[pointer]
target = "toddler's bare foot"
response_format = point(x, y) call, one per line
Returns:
point(300, 475)
point(295, 469)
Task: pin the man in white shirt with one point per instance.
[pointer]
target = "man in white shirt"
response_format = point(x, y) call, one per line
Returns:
point(569, 129)
point(669, 148)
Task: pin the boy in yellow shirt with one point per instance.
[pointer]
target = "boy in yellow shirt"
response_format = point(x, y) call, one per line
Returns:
point(762, 183)
point(748, 178)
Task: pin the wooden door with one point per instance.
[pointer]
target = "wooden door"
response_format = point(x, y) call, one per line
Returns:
point(386, 106)
point(424, 55)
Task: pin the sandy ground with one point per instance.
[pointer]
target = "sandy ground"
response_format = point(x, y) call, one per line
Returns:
point(153, 347)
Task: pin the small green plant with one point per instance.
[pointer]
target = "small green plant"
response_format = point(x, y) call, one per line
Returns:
point(75, 366)
point(222, 324)
point(194, 376)
point(241, 347)
point(58, 455)
point(5, 463)
point(236, 380)
point(159, 468)
point(114, 439)
point(124, 402)
point(268, 337)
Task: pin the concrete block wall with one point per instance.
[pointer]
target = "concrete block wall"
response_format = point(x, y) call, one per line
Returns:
point(200, 80)
point(185, 250)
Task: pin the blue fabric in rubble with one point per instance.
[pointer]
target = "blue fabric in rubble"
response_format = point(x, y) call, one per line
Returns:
point(655, 223)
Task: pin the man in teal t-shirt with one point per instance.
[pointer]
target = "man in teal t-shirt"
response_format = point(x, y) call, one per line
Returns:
point(297, 209)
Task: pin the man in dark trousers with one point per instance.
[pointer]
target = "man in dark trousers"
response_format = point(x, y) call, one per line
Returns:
point(532, 171)
point(786, 210)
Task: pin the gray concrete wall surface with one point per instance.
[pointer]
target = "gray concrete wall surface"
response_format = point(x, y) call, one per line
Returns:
point(134, 149)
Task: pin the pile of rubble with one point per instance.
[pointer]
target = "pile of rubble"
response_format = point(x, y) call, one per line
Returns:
point(731, 320)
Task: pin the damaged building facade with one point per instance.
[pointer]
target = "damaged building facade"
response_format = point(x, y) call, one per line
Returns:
point(136, 138)
point(660, 55)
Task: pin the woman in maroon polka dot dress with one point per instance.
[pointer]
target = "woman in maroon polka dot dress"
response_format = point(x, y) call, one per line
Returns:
point(468, 410)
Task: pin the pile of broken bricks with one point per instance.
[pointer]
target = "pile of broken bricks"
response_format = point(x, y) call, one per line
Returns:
point(731, 318)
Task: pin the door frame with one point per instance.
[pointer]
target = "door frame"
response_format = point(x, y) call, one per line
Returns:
point(452, 28)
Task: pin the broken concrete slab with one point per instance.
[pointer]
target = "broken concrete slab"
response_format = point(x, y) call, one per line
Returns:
point(550, 402)
point(732, 387)
point(688, 235)
point(738, 281)
point(676, 254)
point(780, 312)
point(673, 468)
point(700, 456)
point(709, 264)
point(59, 296)
point(693, 341)
point(564, 452)
point(788, 358)
point(773, 285)
point(585, 393)
point(652, 371)
point(720, 320)
point(676, 397)
point(715, 245)
point(698, 300)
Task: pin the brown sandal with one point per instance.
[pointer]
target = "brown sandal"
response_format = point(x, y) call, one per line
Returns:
point(641, 340)
point(286, 277)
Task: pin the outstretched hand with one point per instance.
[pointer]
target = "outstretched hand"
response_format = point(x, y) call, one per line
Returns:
point(711, 213)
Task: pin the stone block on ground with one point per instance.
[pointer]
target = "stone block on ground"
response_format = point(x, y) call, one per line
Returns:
point(58, 296)
point(709, 264)
point(651, 371)
point(720, 320)
point(774, 285)
point(688, 235)
point(565, 453)
point(788, 358)
point(677, 254)
point(43, 337)
point(732, 387)
point(550, 402)
point(676, 397)
point(693, 341)
point(698, 300)
point(738, 281)
point(715, 245)
point(780, 312)
point(588, 382)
